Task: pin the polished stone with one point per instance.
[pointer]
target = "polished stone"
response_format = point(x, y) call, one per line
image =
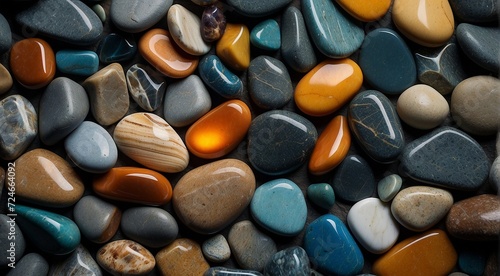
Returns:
point(480, 45)
point(219, 78)
point(146, 86)
point(6, 81)
point(77, 62)
point(290, 261)
point(79, 262)
point(116, 48)
point(365, 10)
point(266, 35)
point(353, 179)
point(125, 257)
point(181, 256)
point(133, 16)
point(216, 249)
point(213, 23)
point(233, 48)
point(321, 194)
point(495, 175)
point(5, 35)
point(11, 234)
point(257, 8)
point(475, 12)
point(388, 187)
point(185, 28)
point(101, 13)
point(224, 271)
point(30, 264)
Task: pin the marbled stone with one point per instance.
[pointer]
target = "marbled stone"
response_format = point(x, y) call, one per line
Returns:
point(353, 179)
point(99, 10)
point(290, 261)
point(321, 194)
point(146, 86)
point(224, 271)
point(70, 21)
point(5, 35)
point(495, 175)
point(19, 126)
point(184, 27)
point(446, 157)
point(475, 12)
point(133, 16)
point(5, 79)
point(257, 8)
point(13, 241)
point(79, 262)
point(116, 48)
point(108, 93)
point(251, 248)
point(63, 107)
point(388, 187)
point(280, 141)
point(366, 10)
point(387, 62)
point(208, 198)
point(213, 23)
point(480, 45)
point(29, 265)
point(150, 226)
point(269, 83)
point(32, 62)
point(77, 62)
point(266, 35)
point(218, 77)
point(181, 256)
point(233, 48)
point(216, 249)
point(125, 257)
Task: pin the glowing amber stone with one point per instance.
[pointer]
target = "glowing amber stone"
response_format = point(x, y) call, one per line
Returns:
point(430, 253)
point(219, 131)
point(233, 48)
point(328, 86)
point(332, 146)
point(365, 10)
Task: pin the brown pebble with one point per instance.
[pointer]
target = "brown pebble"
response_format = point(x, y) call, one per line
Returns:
point(181, 257)
point(5, 80)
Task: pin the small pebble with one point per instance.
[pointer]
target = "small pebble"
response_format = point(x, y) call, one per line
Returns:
point(266, 35)
point(180, 256)
point(185, 28)
point(30, 264)
point(216, 249)
point(218, 77)
point(290, 261)
point(213, 23)
point(125, 257)
point(133, 17)
point(233, 48)
point(100, 12)
point(388, 187)
point(79, 262)
point(472, 260)
point(353, 180)
point(146, 86)
point(321, 194)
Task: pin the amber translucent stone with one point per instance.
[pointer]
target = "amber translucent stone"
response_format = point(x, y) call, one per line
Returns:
point(32, 63)
point(430, 253)
point(332, 146)
point(219, 131)
point(136, 185)
point(365, 10)
point(180, 257)
point(233, 48)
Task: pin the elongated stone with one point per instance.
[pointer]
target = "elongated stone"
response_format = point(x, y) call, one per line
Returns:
point(146, 86)
point(365, 10)
point(216, 249)
point(5, 79)
point(213, 23)
point(479, 44)
point(79, 262)
point(11, 234)
point(30, 264)
point(77, 62)
point(293, 261)
point(116, 48)
point(233, 48)
point(125, 257)
point(218, 77)
point(133, 17)
point(184, 27)
point(180, 256)
point(353, 180)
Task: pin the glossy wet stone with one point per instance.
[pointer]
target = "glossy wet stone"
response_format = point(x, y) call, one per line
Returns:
point(19, 126)
point(180, 256)
point(133, 17)
point(77, 62)
point(388, 187)
point(125, 257)
point(218, 77)
point(213, 136)
point(208, 198)
point(256, 8)
point(475, 218)
point(137, 185)
point(495, 174)
point(216, 249)
point(79, 262)
point(63, 107)
point(98, 220)
point(365, 10)
point(479, 43)
point(383, 56)
point(233, 48)
point(184, 28)
point(337, 35)
point(116, 48)
point(44, 178)
point(280, 141)
point(5, 79)
point(251, 248)
point(477, 12)
point(5, 35)
point(151, 141)
point(328, 87)
point(353, 179)
point(321, 194)
point(213, 23)
point(224, 271)
point(69, 21)
point(446, 157)
point(146, 86)
point(99, 10)
point(30, 264)
point(430, 253)
point(290, 261)
point(49, 232)
point(331, 248)
point(160, 50)
point(11, 233)
point(266, 35)
point(32, 62)
point(108, 94)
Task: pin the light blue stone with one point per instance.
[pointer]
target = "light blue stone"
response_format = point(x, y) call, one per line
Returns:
point(280, 207)
point(321, 194)
point(77, 62)
point(334, 32)
point(216, 76)
point(266, 35)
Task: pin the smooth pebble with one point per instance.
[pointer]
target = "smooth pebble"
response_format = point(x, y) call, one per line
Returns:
point(180, 256)
point(233, 48)
point(216, 249)
point(321, 194)
point(116, 48)
point(125, 257)
point(79, 262)
point(479, 43)
point(6, 81)
point(77, 62)
point(133, 16)
point(353, 180)
point(388, 187)
point(219, 78)
point(146, 86)
point(266, 35)
point(11, 234)
point(30, 264)
point(184, 27)
point(290, 261)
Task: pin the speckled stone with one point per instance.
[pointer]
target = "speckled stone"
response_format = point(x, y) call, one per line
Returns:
point(321, 194)
point(475, 12)
point(388, 187)
point(10, 232)
point(257, 8)
point(480, 44)
point(125, 257)
point(181, 256)
point(218, 77)
point(224, 271)
point(77, 62)
point(495, 174)
point(133, 16)
point(79, 262)
point(116, 48)
point(146, 86)
point(213, 23)
point(216, 249)
point(266, 35)
point(353, 179)
point(30, 265)
point(290, 261)
point(5, 35)
point(6, 81)
point(184, 26)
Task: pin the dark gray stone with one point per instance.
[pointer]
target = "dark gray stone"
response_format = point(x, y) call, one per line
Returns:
point(32, 264)
point(5, 35)
point(79, 262)
point(291, 261)
point(480, 44)
point(353, 179)
point(495, 174)
point(146, 86)
point(224, 271)
point(135, 16)
point(12, 243)
point(257, 8)
point(475, 11)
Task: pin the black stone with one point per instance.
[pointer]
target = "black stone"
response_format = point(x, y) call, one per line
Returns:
point(353, 179)
point(480, 44)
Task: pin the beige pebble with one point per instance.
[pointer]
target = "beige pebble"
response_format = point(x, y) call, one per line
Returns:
point(184, 26)
point(181, 257)
point(5, 79)
point(125, 257)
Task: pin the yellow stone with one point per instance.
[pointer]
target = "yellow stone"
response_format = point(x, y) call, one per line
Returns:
point(365, 10)
point(233, 47)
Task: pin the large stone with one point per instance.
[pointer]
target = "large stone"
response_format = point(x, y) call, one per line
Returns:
point(135, 16)
point(479, 43)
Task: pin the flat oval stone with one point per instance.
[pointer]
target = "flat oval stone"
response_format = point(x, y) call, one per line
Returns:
point(77, 62)
point(5, 79)
point(387, 62)
point(216, 249)
point(108, 93)
point(30, 264)
point(388, 187)
point(218, 77)
point(331, 248)
point(479, 44)
point(160, 50)
point(477, 12)
point(63, 107)
point(97, 219)
point(146, 86)
point(475, 218)
point(189, 92)
point(266, 35)
point(321, 194)
point(79, 262)
point(256, 8)
point(49, 232)
point(270, 86)
point(422, 107)
point(11, 233)
point(125, 257)
point(373, 225)
point(280, 141)
point(133, 17)
point(150, 226)
point(251, 248)
point(353, 179)
point(427, 22)
point(116, 48)
point(44, 178)
point(225, 271)
point(474, 105)
point(151, 141)
point(208, 198)
point(32, 62)
point(279, 206)
point(19, 126)
point(213, 23)
point(68, 21)
point(180, 256)
point(376, 126)
point(184, 27)
point(328, 87)
point(290, 261)
point(337, 35)
point(365, 10)
point(429, 253)
point(135, 185)
point(233, 48)
point(5, 35)
point(446, 157)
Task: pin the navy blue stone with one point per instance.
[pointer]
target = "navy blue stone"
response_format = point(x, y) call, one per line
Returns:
point(116, 48)
point(291, 261)
point(472, 260)
point(218, 77)
point(257, 8)
point(353, 179)
point(386, 62)
point(375, 124)
point(280, 141)
point(480, 44)
point(446, 157)
point(475, 11)
point(30, 265)
point(5, 35)
point(224, 271)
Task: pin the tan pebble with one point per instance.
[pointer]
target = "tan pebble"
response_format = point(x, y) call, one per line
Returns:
point(184, 26)
point(181, 257)
point(5, 79)
point(125, 257)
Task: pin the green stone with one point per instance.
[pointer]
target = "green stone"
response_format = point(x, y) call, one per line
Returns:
point(389, 186)
point(321, 194)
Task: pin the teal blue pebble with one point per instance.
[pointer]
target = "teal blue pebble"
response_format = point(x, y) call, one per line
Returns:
point(388, 187)
point(266, 35)
point(321, 194)
point(116, 48)
point(216, 76)
point(77, 62)
point(472, 260)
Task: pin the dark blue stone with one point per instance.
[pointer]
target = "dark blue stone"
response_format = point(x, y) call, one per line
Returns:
point(216, 76)
point(116, 48)
point(353, 179)
point(280, 141)
point(291, 261)
point(480, 44)
point(475, 11)
point(5, 35)
point(375, 124)
point(224, 271)
point(257, 8)
point(386, 62)
point(472, 260)
point(30, 265)
point(446, 157)
point(77, 62)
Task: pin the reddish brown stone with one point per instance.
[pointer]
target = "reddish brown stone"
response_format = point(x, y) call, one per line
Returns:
point(32, 63)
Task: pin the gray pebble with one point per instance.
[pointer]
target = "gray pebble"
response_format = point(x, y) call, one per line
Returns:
point(12, 243)
point(32, 264)
point(79, 262)
point(216, 249)
point(135, 16)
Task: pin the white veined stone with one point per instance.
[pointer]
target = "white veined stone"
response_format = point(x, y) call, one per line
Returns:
point(184, 26)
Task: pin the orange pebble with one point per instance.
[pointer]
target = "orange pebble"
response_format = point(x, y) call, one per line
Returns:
point(219, 131)
point(332, 146)
point(233, 48)
point(328, 86)
point(180, 257)
point(365, 10)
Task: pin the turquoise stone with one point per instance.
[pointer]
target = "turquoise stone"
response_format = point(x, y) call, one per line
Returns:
point(266, 35)
point(335, 33)
point(77, 62)
point(50, 232)
point(257, 8)
point(280, 207)
point(389, 186)
point(321, 194)
point(331, 248)
point(386, 62)
point(116, 48)
point(480, 44)
point(291, 261)
point(353, 179)
point(216, 76)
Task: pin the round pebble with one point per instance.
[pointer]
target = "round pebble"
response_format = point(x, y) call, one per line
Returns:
point(388, 187)
point(216, 249)
point(321, 194)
